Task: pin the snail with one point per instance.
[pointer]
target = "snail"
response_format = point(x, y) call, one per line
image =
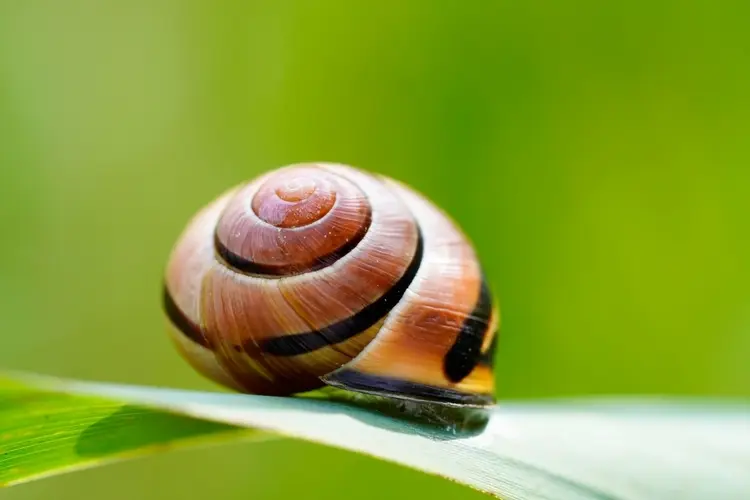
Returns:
point(320, 275)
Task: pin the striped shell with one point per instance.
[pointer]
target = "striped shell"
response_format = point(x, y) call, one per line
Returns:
point(323, 274)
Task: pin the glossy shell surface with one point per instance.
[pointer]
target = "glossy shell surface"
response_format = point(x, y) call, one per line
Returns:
point(321, 273)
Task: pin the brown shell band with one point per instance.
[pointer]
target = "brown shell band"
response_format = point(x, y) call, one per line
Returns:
point(466, 351)
point(488, 357)
point(181, 321)
point(302, 343)
point(378, 384)
point(243, 265)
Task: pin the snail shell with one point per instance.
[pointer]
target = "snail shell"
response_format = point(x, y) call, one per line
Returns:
point(323, 274)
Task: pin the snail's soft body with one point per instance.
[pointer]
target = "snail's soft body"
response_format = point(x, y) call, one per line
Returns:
point(322, 274)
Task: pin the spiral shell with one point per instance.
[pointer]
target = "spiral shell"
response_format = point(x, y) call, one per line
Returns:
point(323, 274)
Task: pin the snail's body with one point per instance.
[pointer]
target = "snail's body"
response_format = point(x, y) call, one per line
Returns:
point(322, 274)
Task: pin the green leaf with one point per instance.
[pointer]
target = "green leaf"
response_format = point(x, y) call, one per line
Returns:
point(45, 432)
point(623, 448)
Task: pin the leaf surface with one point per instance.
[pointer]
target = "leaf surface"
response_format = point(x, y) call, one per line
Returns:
point(618, 448)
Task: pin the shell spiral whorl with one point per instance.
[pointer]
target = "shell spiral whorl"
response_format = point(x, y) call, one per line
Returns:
point(318, 274)
point(297, 220)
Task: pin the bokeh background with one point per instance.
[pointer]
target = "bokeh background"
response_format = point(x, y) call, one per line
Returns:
point(597, 154)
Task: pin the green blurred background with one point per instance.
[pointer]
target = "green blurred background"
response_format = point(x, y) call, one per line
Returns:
point(596, 153)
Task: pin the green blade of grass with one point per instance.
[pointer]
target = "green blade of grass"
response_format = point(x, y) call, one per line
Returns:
point(565, 449)
point(46, 432)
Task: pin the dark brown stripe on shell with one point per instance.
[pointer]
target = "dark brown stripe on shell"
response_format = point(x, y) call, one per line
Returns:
point(243, 265)
point(302, 343)
point(488, 357)
point(465, 353)
point(378, 384)
point(181, 321)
